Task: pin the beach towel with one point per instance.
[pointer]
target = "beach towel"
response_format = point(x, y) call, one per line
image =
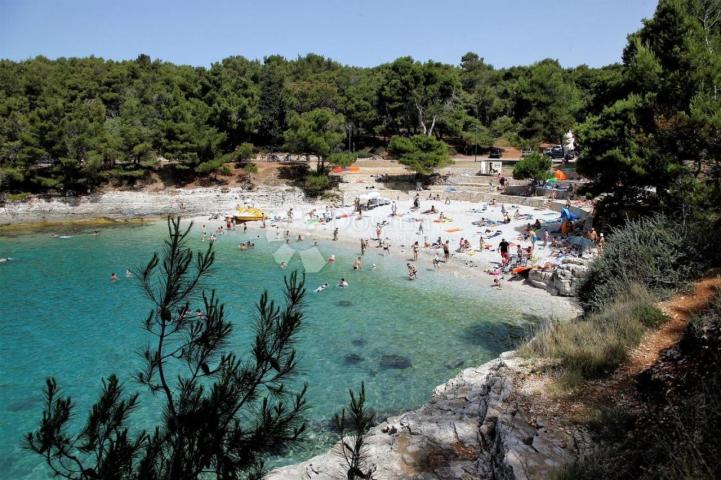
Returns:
point(495, 234)
point(454, 229)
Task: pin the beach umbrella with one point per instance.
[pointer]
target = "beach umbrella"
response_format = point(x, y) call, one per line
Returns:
point(560, 175)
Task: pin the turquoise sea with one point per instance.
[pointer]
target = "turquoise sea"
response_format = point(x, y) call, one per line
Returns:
point(61, 316)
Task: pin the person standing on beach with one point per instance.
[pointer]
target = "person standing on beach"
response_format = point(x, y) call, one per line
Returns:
point(335, 234)
point(503, 248)
point(394, 209)
point(446, 251)
point(290, 216)
point(415, 251)
point(436, 261)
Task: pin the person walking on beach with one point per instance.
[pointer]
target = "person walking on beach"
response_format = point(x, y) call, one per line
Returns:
point(446, 251)
point(290, 216)
point(335, 234)
point(363, 247)
point(545, 238)
point(394, 209)
point(415, 251)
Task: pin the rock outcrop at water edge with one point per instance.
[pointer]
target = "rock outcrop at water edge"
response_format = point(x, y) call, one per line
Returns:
point(479, 425)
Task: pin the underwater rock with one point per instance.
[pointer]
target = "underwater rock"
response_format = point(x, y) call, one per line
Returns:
point(395, 361)
point(358, 342)
point(457, 363)
point(352, 359)
point(344, 303)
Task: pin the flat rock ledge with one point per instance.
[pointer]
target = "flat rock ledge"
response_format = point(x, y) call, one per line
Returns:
point(479, 425)
point(125, 204)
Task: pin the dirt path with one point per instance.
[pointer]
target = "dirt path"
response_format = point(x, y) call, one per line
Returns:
point(619, 389)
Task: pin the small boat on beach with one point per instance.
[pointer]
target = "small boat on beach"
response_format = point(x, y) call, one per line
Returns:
point(248, 214)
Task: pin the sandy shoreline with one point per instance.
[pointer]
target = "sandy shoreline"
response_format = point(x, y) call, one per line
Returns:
point(400, 230)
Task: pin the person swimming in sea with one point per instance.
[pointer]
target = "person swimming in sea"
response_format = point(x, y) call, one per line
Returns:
point(320, 288)
point(331, 259)
point(128, 273)
point(113, 277)
point(357, 264)
point(283, 265)
point(342, 283)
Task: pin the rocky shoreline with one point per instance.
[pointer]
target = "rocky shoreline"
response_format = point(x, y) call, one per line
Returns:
point(134, 204)
point(482, 424)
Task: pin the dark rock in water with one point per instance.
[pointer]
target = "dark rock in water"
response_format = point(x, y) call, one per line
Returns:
point(453, 364)
point(395, 361)
point(352, 359)
point(344, 303)
point(358, 342)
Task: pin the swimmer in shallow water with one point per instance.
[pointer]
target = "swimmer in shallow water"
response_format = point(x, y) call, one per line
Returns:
point(283, 265)
point(113, 277)
point(128, 273)
point(320, 288)
point(342, 283)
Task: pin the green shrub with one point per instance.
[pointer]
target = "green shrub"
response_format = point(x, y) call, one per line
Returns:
point(657, 252)
point(250, 168)
point(17, 197)
point(342, 159)
point(421, 153)
point(316, 183)
point(534, 166)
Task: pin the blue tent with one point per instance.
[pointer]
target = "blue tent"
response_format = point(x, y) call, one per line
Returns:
point(566, 214)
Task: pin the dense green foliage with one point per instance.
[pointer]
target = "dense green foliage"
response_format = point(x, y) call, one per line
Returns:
point(535, 166)
point(72, 123)
point(657, 143)
point(658, 252)
point(422, 153)
point(222, 415)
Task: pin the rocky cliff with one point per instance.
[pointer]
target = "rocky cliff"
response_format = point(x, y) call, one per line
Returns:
point(482, 424)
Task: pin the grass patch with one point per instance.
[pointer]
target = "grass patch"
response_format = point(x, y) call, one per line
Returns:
point(594, 345)
point(17, 197)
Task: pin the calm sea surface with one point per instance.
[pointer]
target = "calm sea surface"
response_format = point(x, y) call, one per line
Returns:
point(61, 316)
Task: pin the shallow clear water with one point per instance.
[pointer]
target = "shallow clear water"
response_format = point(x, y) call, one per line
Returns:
point(61, 316)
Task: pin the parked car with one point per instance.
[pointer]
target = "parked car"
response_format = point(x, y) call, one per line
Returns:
point(554, 152)
point(526, 152)
point(495, 152)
